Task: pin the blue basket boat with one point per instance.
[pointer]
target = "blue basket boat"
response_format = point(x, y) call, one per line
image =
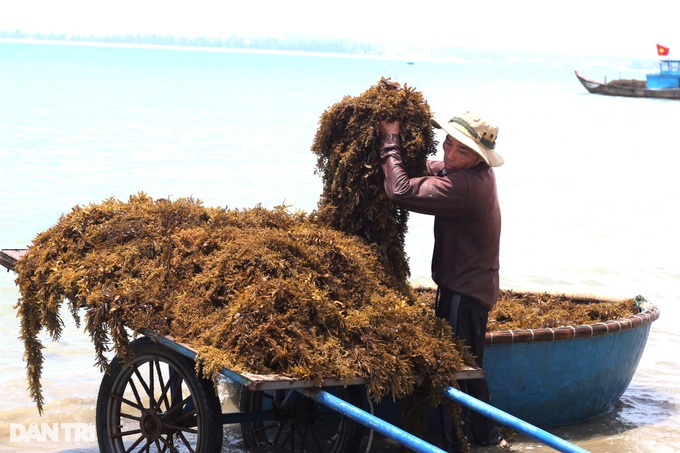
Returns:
point(565, 375)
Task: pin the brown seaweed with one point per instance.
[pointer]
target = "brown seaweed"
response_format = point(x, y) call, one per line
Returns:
point(534, 310)
point(256, 290)
point(628, 83)
point(520, 310)
point(346, 145)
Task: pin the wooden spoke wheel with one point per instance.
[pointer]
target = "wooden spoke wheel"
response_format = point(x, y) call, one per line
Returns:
point(299, 424)
point(157, 404)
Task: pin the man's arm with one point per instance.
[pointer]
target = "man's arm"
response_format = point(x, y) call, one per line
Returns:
point(427, 195)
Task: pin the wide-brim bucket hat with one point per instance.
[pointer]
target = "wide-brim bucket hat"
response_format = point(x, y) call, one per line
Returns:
point(474, 132)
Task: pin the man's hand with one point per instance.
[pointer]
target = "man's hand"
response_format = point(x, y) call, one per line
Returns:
point(389, 128)
point(390, 142)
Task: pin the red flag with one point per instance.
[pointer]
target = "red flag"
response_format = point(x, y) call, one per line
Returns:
point(662, 50)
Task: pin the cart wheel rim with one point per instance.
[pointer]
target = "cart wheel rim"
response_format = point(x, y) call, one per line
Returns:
point(298, 424)
point(152, 404)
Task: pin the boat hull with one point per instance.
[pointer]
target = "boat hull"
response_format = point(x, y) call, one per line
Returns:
point(602, 88)
point(565, 377)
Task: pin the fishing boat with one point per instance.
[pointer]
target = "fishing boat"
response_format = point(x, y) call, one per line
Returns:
point(559, 376)
point(664, 84)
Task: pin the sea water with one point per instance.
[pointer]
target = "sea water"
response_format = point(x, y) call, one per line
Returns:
point(589, 190)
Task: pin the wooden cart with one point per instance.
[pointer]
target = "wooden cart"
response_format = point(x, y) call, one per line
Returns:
point(158, 403)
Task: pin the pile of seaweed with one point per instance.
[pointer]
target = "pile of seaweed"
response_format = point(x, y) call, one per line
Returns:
point(534, 310)
point(628, 83)
point(346, 144)
point(254, 290)
point(519, 310)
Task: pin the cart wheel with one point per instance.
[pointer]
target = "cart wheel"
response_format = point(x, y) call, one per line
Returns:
point(301, 425)
point(157, 404)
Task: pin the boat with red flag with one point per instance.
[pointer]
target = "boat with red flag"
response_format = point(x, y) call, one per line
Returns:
point(664, 84)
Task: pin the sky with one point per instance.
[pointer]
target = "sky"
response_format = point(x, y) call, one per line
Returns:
point(588, 27)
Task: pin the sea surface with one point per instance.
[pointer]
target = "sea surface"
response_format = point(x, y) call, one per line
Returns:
point(589, 191)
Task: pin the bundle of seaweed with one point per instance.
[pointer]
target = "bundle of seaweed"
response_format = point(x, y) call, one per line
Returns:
point(346, 145)
point(257, 290)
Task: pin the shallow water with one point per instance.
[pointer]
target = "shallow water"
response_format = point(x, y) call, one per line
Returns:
point(588, 191)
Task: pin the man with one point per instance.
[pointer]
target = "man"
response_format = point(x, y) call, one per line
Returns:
point(460, 192)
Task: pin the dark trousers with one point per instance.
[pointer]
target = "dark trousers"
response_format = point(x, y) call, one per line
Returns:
point(468, 320)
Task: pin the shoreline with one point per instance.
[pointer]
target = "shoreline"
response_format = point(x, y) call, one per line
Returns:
point(457, 56)
point(190, 48)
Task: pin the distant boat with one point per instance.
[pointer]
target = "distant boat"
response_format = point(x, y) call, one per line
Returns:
point(664, 85)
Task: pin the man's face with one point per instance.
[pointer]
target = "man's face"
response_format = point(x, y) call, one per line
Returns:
point(457, 156)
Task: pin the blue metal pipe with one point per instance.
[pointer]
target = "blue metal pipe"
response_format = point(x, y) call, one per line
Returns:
point(510, 420)
point(392, 432)
point(371, 421)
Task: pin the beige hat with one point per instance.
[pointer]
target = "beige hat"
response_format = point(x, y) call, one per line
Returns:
point(474, 132)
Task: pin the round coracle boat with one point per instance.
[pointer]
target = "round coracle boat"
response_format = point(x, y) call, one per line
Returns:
point(557, 376)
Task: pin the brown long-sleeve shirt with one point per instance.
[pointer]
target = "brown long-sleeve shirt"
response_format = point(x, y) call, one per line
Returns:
point(467, 222)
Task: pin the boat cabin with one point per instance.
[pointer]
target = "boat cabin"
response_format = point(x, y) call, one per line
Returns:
point(667, 77)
